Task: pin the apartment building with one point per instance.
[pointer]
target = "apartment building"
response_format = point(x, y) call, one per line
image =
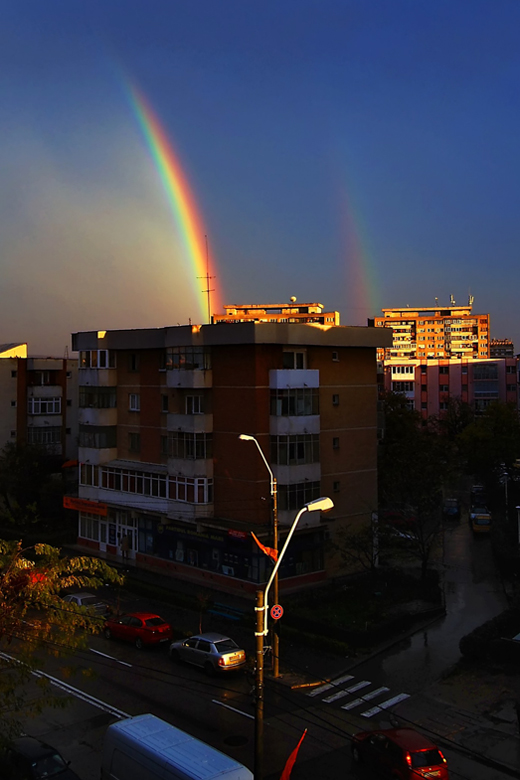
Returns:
point(162, 466)
point(38, 401)
point(429, 384)
point(278, 312)
point(435, 333)
point(501, 348)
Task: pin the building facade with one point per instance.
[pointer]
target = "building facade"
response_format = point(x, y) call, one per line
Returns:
point(38, 401)
point(278, 312)
point(435, 333)
point(501, 348)
point(162, 466)
point(430, 384)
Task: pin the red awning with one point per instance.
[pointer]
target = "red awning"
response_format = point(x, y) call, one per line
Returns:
point(69, 464)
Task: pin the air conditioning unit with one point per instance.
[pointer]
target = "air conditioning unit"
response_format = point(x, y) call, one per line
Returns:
point(229, 570)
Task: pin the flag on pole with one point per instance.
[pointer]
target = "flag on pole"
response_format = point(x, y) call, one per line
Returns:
point(292, 759)
point(270, 551)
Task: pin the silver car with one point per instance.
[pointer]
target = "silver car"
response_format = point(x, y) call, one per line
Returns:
point(213, 652)
point(95, 604)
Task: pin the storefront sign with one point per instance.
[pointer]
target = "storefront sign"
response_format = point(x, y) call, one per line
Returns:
point(83, 505)
point(238, 534)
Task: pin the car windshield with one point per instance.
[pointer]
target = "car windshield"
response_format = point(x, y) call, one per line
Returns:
point(482, 521)
point(225, 644)
point(155, 621)
point(426, 758)
point(49, 766)
point(480, 510)
point(88, 601)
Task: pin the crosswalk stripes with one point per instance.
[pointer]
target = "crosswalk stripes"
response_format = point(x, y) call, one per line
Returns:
point(340, 691)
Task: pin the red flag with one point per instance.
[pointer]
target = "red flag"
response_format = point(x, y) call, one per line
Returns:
point(270, 551)
point(292, 759)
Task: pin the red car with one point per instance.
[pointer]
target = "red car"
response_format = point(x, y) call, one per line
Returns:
point(399, 753)
point(141, 628)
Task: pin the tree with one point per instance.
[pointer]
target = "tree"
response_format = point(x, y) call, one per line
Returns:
point(412, 464)
point(359, 548)
point(491, 442)
point(35, 622)
point(25, 477)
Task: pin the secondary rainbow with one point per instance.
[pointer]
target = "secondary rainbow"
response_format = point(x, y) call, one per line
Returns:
point(180, 198)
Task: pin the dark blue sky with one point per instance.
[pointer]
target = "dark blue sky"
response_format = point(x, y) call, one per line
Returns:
point(358, 153)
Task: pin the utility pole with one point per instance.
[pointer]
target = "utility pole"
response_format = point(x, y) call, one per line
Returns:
point(276, 623)
point(207, 277)
point(259, 687)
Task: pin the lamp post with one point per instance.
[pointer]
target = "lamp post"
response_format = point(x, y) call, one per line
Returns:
point(274, 502)
point(261, 608)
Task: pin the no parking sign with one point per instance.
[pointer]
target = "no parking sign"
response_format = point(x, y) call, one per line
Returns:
point(276, 612)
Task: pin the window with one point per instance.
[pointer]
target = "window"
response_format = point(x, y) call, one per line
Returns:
point(44, 405)
point(134, 402)
point(292, 359)
point(444, 370)
point(69, 374)
point(13, 434)
point(97, 358)
point(14, 374)
point(335, 487)
point(464, 388)
point(164, 403)
point(510, 370)
point(295, 402)
point(97, 397)
point(511, 388)
point(403, 387)
point(98, 436)
point(294, 496)
point(191, 446)
point(296, 449)
point(443, 406)
point(13, 403)
point(335, 399)
point(196, 490)
point(133, 361)
point(46, 435)
point(335, 443)
point(42, 377)
point(88, 474)
point(69, 402)
point(188, 358)
point(444, 388)
point(335, 357)
point(424, 388)
point(68, 430)
point(134, 442)
point(423, 369)
point(164, 445)
point(194, 404)
point(424, 405)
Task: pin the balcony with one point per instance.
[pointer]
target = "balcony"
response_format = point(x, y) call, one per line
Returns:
point(96, 457)
point(191, 467)
point(190, 423)
point(286, 425)
point(196, 378)
point(92, 416)
point(297, 473)
point(98, 377)
point(283, 378)
point(181, 510)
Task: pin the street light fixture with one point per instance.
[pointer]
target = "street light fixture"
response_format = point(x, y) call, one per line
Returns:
point(261, 608)
point(274, 502)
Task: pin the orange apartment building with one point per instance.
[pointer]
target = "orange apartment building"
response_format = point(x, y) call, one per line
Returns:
point(435, 333)
point(161, 462)
point(278, 312)
point(38, 401)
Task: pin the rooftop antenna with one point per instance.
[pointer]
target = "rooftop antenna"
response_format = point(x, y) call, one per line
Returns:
point(471, 300)
point(452, 300)
point(207, 277)
point(436, 301)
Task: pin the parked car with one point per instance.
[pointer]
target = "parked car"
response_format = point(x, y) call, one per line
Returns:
point(27, 758)
point(399, 753)
point(451, 509)
point(213, 652)
point(141, 628)
point(89, 600)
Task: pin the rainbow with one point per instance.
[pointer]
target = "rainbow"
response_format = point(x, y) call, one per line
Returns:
point(180, 199)
point(362, 283)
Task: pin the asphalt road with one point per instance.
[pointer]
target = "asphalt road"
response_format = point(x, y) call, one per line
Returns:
point(126, 681)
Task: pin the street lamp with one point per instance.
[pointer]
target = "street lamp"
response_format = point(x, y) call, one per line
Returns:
point(261, 609)
point(274, 501)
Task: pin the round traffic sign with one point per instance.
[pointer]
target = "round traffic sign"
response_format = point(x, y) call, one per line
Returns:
point(276, 612)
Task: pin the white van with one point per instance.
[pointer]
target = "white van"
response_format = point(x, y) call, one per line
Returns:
point(147, 748)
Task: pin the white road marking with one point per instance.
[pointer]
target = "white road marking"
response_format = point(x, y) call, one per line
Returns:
point(385, 705)
point(352, 689)
point(233, 709)
point(367, 696)
point(86, 697)
point(105, 655)
point(333, 684)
